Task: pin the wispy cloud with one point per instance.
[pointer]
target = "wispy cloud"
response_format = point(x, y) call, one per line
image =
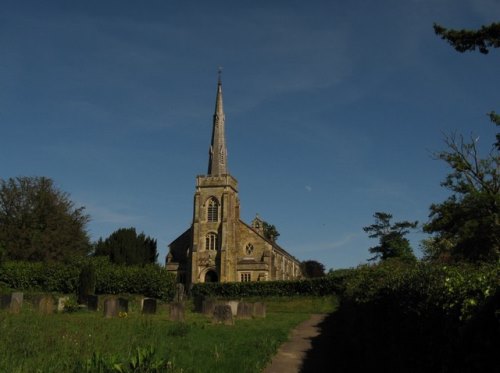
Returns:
point(104, 214)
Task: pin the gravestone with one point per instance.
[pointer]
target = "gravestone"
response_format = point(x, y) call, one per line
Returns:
point(61, 303)
point(245, 310)
point(198, 303)
point(207, 307)
point(43, 304)
point(122, 305)
point(92, 302)
point(223, 315)
point(179, 292)
point(259, 309)
point(234, 306)
point(149, 306)
point(12, 302)
point(111, 307)
point(176, 311)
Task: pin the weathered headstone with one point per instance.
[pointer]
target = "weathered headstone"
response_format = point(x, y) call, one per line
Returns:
point(245, 310)
point(198, 303)
point(223, 315)
point(122, 305)
point(208, 306)
point(43, 304)
point(179, 292)
point(177, 311)
point(92, 302)
point(111, 307)
point(234, 306)
point(259, 309)
point(149, 306)
point(61, 303)
point(13, 302)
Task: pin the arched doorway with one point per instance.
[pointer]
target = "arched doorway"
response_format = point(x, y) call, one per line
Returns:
point(211, 276)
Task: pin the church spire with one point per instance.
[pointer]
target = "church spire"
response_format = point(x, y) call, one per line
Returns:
point(218, 153)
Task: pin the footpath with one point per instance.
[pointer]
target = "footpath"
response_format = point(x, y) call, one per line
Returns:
point(291, 354)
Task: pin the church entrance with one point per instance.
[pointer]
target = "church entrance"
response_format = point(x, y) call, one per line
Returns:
point(211, 276)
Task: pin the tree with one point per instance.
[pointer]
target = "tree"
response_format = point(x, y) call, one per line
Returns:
point(470, 218)
point(312, 268)
point(40, 222)
point(392, 243)
point(270, 231)
point(469, 40)
point(124, 246)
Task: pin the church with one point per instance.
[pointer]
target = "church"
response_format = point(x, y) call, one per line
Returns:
point(219, 246)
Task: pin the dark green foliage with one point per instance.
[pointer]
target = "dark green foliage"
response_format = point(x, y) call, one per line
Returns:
point(469, 220)
point(312, 268)
point(39, 222)
point(313, 287)
point(86, 282)
point(124, 246)
point(417, 318)
point(468, 40)
point(150, 280)
point(270, 231)
point(392, 243)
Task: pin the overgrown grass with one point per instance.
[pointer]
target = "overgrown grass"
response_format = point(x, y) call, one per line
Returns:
point(30, 342)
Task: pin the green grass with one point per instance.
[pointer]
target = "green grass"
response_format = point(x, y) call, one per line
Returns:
point(30, 342)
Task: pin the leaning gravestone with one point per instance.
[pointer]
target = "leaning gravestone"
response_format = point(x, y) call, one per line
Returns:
point(176, 311)
point(259, 309)
point(245, 310)
point(223, 315)
point(149, 306)
point(111, 307)
point(92, 302)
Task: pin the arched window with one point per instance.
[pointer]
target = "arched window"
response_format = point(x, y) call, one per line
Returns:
point(249, 249)
point(211, 241)
point(212, 210)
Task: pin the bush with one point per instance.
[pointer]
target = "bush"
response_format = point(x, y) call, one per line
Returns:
point(418, 318)
point(150, 280)
point(321, 286)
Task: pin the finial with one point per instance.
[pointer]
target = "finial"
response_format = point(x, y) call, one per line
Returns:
point(219, 72)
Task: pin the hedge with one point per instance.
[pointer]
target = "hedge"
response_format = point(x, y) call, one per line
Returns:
point(316, 287)
point(150, 280)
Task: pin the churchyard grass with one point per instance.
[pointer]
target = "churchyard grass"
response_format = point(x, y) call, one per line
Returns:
point(31, 342)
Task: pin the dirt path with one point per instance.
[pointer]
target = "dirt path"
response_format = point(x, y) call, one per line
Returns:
point(291, 355)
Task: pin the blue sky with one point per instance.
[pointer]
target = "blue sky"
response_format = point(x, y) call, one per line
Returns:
point(333, 109)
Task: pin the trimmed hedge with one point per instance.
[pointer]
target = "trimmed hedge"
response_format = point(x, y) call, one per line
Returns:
point(316, 287)
point(150, 280)
point(417, 318)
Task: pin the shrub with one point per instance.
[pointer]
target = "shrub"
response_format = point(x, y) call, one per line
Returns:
point(321, 286)
point(150, 280)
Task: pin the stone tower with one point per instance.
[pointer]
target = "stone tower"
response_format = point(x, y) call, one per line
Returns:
point(216, 209)
point(219, 246)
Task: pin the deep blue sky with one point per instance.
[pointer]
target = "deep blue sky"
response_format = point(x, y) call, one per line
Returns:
point(333, 109)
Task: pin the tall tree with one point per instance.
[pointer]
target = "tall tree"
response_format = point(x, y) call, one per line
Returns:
point(468, 222)
point(125, 246)
point(40, 222)
point(312, 268)
point(392, 241)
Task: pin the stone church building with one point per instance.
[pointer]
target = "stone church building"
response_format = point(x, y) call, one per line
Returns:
point(219, 246)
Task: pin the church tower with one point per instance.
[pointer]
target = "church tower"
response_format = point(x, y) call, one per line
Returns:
point(219, 246)
point(216, 210)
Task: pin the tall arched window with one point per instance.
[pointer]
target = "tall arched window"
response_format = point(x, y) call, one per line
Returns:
point(211, 241)
point(213, 210)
